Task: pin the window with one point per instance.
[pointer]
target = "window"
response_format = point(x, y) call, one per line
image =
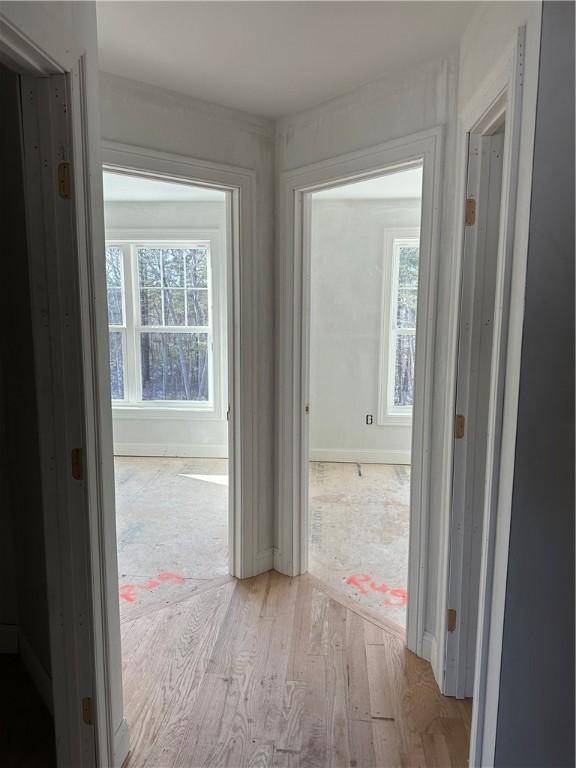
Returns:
point(160, 323)
point(399, 310)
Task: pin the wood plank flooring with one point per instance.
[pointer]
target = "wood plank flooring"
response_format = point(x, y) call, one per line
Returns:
point(273, 671)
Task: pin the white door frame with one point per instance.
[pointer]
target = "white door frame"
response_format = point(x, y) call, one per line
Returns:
point(510, 87)
point(293, 370)
point(239, 185)
point(58, 230)
point(480, 255)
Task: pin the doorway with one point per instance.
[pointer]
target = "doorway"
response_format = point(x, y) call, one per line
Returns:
point(166, 273)
point(297, 189)
point(364, 259)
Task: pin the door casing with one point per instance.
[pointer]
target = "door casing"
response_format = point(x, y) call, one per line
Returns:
point(291, 556)
point(238, 184)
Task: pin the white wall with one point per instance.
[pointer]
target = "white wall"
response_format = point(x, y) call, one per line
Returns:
point(141, 115)
point(347, 256)
point(418, 99)
point(183, 432)
point(487, 37)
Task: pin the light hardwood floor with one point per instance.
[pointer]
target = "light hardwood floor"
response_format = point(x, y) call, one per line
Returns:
point(272, 671)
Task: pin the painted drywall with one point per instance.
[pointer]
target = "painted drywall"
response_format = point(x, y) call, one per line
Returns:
point(20, 432)
point(487, 38)
point(156, 432)
point(347, 256)
point(137, 114)
point(418, 99)
point(538, 643)
point(412, 101)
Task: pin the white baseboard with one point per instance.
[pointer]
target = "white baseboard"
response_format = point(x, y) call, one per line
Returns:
point(38, 674)
point(360, 456)
point(280, 564)
point(121, 744)
point(185, 451)
point(8, 638)
point(429, 648)
point(438, 663)
point(430, 653)
point(264, 561)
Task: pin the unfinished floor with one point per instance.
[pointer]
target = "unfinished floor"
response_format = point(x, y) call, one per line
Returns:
point(172, 529)
point(359, 526)
point(172, 526)
point(272, 671)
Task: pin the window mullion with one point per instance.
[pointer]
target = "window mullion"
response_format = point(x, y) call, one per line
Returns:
point(162, 301)
point(185, 290)
point(131, 334)
point(393, 339)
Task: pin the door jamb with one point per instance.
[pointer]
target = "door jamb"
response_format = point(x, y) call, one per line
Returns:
point(465, 540)
point(290, 555)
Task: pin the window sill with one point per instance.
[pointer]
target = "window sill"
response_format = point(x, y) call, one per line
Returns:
point(158, 411)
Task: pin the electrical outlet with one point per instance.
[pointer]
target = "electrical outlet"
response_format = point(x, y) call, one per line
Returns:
point(369, 419)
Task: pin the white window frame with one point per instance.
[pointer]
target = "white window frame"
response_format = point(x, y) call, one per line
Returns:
point(387, 412)
point(122, 328)
point(133, 405)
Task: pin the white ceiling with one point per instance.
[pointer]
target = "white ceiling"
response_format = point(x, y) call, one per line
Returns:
point(400, 185)
point(122, 188)
point(272, 58)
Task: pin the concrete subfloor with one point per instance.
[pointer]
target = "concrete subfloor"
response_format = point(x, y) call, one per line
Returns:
point(172, 530)
point(359, 526)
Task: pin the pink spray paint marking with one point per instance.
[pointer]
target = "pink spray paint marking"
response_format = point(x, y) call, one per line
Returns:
point(363, 583)
point(358, 582)
point(128, 592)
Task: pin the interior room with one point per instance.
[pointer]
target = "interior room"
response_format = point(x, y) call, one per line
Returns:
point(289, 294)
point(365, 238)
point(166, 269)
